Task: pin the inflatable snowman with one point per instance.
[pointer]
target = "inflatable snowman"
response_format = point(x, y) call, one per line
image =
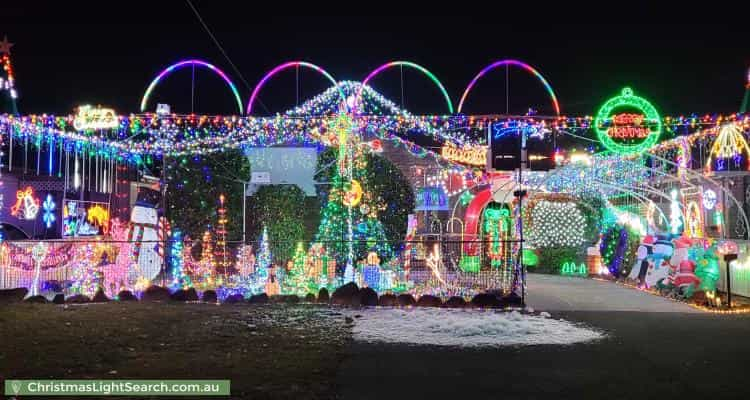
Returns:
point(640, 268)
point(659, 266)
point(143, 236)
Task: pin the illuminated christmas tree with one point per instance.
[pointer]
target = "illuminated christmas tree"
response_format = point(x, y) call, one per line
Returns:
point(8, 92)
point(180, 280)
point(349, 226)
point(206, 264)
point(222, 256)
point(245, 260)
point(263, 260)
point(297, 280)
point(192, 266)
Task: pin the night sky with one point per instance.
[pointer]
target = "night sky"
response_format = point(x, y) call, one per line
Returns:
point(66, 55)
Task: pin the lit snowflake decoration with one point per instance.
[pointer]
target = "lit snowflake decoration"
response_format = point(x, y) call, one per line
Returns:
point(49, 211)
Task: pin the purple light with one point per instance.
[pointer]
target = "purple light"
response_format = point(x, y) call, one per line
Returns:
point(282, 67)
point(517, 63)
point(193, 63)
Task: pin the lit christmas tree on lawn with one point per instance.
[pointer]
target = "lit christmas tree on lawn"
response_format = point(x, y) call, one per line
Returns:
point(297, 280)
point(180, 280)
point(245, 260)
point(202, 271)
point(221, 254)
point(349, 226)
point(263, 260)
point(7, 81)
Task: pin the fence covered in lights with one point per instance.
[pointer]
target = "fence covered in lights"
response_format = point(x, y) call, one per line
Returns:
point(83, 267)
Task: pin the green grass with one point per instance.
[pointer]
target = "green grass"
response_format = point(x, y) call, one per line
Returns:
point(270, 351)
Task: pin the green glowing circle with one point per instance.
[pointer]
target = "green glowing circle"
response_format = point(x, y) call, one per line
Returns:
point(627, 99)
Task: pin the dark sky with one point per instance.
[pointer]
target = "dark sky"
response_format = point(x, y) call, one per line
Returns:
point(69, 54)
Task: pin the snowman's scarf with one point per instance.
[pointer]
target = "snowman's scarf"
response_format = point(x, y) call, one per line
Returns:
point(138, 239)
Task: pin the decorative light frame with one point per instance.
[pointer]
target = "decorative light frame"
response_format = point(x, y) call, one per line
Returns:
point(628, 99)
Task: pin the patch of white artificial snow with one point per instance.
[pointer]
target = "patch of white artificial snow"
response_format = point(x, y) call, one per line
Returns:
point(467, 328)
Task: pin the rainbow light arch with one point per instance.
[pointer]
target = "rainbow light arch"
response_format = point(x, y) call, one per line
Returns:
point(516, 63)
point(182, 64)
point(409, 64)
point(287, 65)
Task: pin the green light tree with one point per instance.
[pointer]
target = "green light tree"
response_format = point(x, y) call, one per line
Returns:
point(297, 281)
point(281, 209)
point(194, 185)
point(263, 258)
point(350, 215)
point(180, 279)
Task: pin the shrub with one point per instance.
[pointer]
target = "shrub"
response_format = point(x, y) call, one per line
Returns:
point(550, 259)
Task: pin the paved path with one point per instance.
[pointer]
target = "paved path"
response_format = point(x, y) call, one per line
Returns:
point(559, 293)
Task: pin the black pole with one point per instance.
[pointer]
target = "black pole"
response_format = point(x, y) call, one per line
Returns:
point(728, 258)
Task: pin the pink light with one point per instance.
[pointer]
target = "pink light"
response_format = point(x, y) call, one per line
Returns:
point(282, 67)
point(517, 63)
point(193, 63)
point(473, 211)
point(412, 65)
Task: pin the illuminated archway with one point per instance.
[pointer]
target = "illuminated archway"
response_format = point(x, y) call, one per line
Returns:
point(193, 63)
point(471, 221)
point(409, 64)
point(516, 63)
point(284, 66)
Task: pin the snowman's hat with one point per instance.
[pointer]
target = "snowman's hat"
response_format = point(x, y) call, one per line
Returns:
point(648, 240)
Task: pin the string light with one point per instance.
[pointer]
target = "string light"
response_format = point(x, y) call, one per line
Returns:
point(222, 255)
point(555, 224)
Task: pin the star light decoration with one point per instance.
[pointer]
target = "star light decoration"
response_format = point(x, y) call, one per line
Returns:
point(8, 83)
point(5, 45)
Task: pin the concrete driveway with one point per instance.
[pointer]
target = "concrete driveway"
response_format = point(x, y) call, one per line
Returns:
point(562, 293)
